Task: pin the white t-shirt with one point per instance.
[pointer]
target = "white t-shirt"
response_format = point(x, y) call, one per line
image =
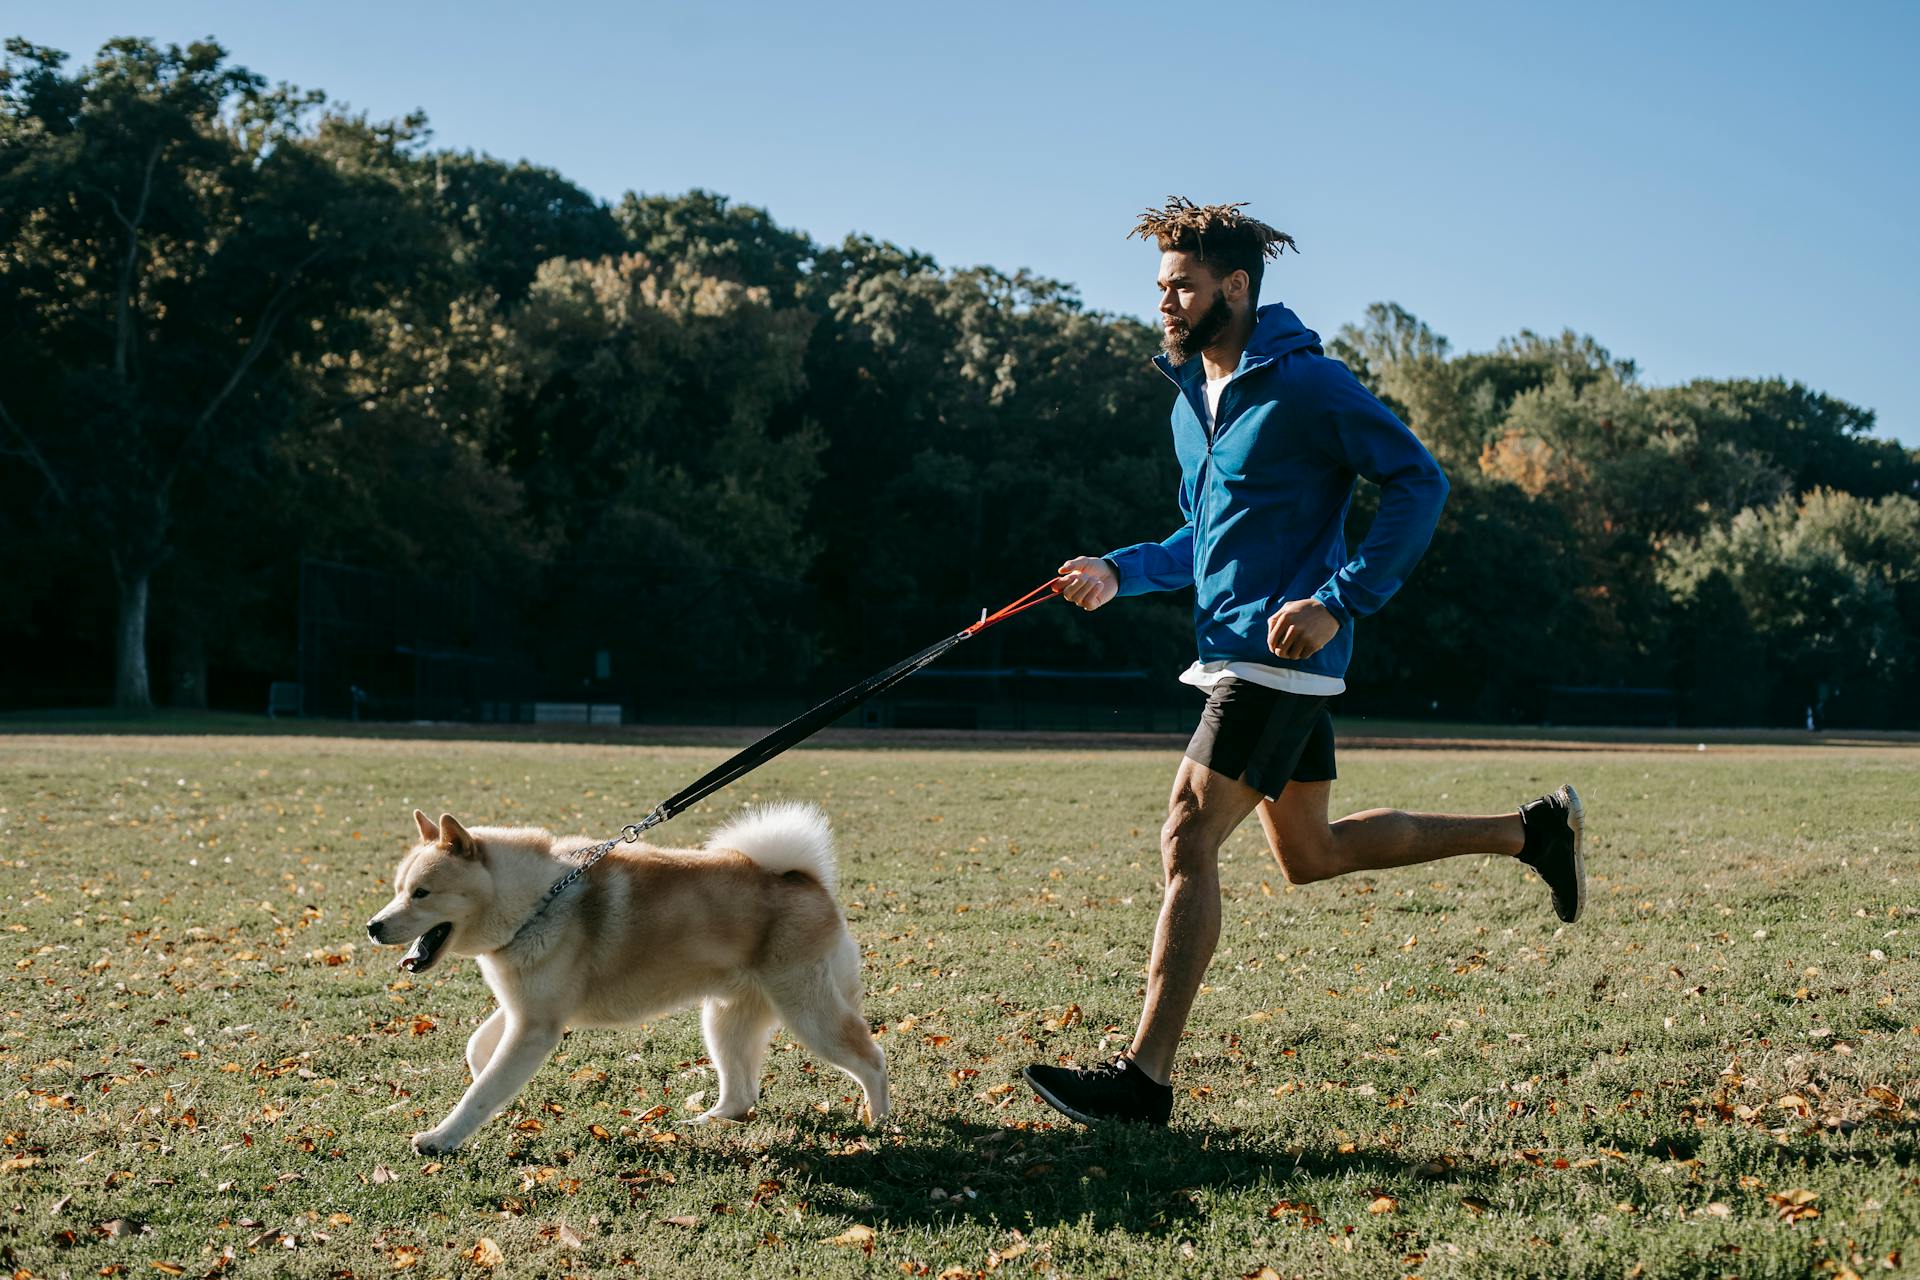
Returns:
point(1205, 675)
point(1214, 387)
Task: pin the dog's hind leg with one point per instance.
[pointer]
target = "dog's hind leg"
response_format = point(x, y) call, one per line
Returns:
point(736, 1032)
point(816, 1006)
point(483, 1042)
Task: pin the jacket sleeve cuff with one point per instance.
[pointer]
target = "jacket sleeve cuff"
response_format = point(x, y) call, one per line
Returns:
point(1329, 596)
point(1125, 564)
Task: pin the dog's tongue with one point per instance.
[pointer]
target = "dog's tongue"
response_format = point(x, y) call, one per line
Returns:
point(426, 948)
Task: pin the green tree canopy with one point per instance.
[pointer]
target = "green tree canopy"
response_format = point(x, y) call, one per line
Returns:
point(1831, 585)
point(638, 420)
point(172, 233)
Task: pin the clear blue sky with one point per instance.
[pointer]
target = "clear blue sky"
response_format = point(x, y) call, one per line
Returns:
point(1713, 189)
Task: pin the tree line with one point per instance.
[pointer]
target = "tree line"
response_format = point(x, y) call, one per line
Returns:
point(241, 327)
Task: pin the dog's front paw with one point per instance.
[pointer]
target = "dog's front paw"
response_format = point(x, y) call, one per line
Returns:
point(434, 1142)
point(715, 1116)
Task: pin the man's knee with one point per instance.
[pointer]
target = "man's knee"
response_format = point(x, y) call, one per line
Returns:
point(1188, 846)
point(1303, 857)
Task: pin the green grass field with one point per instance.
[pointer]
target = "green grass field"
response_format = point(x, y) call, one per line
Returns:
point(211, 1072)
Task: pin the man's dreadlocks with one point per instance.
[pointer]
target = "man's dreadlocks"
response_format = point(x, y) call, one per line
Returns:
point(1221, 236)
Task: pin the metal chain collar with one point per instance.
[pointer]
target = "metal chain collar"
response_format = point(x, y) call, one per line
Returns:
point(628, 835)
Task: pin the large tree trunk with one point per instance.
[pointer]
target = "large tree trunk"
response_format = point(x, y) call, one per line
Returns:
point(131, 691)
point(187, 667)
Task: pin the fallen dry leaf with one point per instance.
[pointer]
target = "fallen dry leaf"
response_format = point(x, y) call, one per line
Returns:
point(996, 1257)
point(1383, 1204)
point(856, 1236)
point(486, 1253)
point(1796, 1203)
point(1305, 1213)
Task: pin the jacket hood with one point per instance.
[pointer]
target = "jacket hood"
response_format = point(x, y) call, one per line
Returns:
point(1278, 332)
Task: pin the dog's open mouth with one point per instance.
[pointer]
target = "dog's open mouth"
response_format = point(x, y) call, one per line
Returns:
point(426, 949)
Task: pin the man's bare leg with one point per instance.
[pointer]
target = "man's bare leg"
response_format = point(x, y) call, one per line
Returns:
point(1309, 848)
point(1203, 811)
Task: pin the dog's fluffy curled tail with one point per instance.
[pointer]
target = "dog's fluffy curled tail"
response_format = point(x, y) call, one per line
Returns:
point(783, 837)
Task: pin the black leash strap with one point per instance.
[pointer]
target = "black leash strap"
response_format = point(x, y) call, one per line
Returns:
point(798, 729)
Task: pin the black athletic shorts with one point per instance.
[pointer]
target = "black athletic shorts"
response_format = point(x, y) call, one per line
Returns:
point(1264, 737)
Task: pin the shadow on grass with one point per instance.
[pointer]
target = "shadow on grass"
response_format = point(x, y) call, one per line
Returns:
point(1126, 1177)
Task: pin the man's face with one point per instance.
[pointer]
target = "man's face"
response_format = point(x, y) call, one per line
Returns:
point(1194, 310)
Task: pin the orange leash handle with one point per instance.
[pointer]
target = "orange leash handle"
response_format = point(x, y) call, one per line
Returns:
point(1038, 596)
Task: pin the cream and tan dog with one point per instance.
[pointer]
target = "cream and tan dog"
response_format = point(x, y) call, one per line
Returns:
point(749, 925)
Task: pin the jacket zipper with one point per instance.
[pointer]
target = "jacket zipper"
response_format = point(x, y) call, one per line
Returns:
point(1214, 424)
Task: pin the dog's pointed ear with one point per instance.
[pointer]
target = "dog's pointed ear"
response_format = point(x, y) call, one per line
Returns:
point(428, 832)
point(456, 838)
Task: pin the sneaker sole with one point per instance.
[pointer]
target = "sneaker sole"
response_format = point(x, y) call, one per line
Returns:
point(1055, 1103)
point(1080, 1116)
point(1576, 823)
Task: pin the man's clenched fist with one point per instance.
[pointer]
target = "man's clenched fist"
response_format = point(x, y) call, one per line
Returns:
point(1087, 581)
point(1301, 629)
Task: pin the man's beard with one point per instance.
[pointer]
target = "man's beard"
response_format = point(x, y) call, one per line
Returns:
point(1187, 341)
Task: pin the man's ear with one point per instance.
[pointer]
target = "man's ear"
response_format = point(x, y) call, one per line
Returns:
point(428, 831)
point(1239, 285)
point(456, 838)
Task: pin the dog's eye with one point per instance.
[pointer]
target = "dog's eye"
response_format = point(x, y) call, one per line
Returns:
point(419, 893)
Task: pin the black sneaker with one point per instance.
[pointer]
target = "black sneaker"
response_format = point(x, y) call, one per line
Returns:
point(1115, 1090)
point(1553, 849)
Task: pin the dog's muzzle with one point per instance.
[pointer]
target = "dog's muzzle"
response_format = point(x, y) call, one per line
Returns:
point(376, 929)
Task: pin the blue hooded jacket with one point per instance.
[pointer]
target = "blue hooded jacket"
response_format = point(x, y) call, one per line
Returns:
point(1265, 498)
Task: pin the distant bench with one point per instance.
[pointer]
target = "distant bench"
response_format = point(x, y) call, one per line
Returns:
point(601, 713)
point(284, 697)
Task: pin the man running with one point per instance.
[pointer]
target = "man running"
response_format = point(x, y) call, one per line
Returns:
point(1270, 435)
